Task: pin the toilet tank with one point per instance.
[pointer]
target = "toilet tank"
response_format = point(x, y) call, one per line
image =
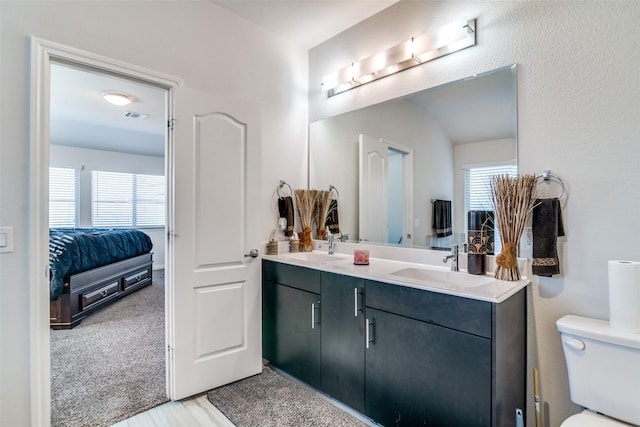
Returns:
point(603, 366)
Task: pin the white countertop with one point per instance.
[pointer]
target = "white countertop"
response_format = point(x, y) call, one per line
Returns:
point(416, 275)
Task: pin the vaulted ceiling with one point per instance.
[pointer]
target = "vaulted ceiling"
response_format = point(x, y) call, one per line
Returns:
point(81, 117)
point(305, 23)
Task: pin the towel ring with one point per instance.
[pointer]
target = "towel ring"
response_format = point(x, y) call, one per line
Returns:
point(332, 188)
point(548, 176)
point(282, 184)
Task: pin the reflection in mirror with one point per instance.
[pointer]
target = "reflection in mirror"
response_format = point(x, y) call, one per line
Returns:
point(385, 180)
point(435, 140)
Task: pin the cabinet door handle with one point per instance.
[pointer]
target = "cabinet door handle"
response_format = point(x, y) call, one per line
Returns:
point(313, 314)
point(369, 334)
point(356, 306)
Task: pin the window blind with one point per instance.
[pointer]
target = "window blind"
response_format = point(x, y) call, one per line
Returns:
point(63, 192)
point(127, 200)
point(149, 200)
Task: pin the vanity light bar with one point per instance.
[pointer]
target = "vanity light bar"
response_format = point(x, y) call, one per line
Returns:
point(418, 50)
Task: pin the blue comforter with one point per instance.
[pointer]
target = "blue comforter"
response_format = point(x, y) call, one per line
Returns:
point(74, 250)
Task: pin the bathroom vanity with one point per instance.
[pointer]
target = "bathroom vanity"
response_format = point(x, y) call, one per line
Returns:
point(403, 345)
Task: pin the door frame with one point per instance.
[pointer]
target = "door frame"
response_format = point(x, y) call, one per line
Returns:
point(43, 52)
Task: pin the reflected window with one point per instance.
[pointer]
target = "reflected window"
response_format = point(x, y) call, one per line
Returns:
point(477, 192)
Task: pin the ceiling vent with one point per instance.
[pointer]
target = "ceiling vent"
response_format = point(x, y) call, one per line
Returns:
point(133, 115)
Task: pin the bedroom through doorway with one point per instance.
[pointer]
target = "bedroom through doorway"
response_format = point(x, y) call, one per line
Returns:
point(107, 180)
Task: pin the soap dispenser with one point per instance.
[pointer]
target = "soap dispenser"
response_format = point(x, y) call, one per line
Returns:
point(272, 246)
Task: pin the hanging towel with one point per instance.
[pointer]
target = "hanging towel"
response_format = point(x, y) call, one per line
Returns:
point(546, 227)
point(332, 217)
point(285, 208)
point(441, 223)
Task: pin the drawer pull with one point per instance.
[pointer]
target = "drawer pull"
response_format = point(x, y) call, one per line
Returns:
point(91, 298)
point(135, 278)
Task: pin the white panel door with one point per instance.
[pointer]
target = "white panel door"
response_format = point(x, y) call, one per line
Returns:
point(214, 307)
point(373, 172)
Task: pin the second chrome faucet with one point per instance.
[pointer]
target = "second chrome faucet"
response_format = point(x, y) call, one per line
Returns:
point(453, 257)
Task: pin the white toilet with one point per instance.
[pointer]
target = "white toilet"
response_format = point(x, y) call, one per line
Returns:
point(604, 372)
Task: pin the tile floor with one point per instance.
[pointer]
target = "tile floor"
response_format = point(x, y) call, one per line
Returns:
point(193, 412)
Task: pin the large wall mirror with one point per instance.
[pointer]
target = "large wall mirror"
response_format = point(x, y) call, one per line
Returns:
point(389, 162)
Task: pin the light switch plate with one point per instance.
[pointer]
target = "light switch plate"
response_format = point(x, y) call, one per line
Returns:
point(6, 239)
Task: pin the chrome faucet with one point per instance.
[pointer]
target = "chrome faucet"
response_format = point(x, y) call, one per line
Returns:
point(453, 257)
point(331, 241)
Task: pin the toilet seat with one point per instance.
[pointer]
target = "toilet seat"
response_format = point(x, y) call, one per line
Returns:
point(587, 418)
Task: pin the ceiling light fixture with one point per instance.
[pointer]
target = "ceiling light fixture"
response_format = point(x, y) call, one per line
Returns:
point(415, 51)
point(118, 98)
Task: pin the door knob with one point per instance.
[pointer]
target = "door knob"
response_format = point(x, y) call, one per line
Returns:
point(253, 253)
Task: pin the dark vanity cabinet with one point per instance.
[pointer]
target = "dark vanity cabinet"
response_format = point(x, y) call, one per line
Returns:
point(400, 355)
point(425, 362)
point(342, 343)
point(291, 320)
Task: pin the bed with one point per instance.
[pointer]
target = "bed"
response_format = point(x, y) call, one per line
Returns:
point(93, 267)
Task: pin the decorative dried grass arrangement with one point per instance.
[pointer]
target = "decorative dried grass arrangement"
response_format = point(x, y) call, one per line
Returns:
point(306, 204)
point(513, 200)
point(323, 205)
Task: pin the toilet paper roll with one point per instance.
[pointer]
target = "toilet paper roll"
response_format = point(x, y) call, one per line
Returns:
point(624, 295)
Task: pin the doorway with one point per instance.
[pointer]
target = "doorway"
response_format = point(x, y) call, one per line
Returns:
point(46, 54)
point(396, 203)
point(107, 180)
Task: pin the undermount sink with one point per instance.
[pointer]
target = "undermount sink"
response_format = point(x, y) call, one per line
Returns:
point(450, 278)
point(311, 257)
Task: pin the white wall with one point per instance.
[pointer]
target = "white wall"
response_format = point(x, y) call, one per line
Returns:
point(207, 46)
point(87, 160)
point(577, 116)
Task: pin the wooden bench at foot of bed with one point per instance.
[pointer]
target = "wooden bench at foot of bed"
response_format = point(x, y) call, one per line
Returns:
point(87, 291)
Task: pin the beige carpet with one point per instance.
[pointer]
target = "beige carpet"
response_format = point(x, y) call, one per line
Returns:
point(271, 399)
point(112, 365)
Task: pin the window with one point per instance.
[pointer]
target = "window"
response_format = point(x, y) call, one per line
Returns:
point(477, 192)
point(63, 192)
point(149, 200)
point(127, 200)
